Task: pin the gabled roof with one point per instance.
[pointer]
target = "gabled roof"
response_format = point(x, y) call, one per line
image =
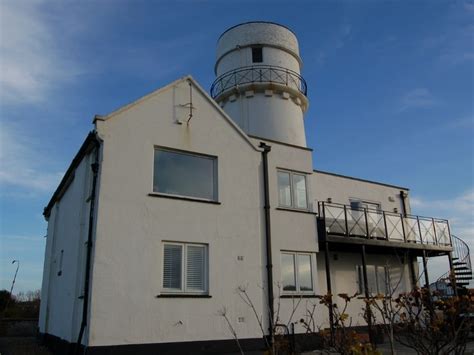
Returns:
point(190, 79)
point(93, 139)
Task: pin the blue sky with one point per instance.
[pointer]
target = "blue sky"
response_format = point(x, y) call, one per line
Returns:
point(390, 90)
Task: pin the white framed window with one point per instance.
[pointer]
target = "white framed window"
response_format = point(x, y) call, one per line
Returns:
point(185, 174)
point(297, 272)
point(185, 267)
point(292, 190)
point(378, 279)
point(360, 205)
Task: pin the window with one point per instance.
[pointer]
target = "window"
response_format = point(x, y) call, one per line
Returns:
point(359, 205)
point(185, 174)
point(296, 272)
point(378, 279)
point(185, 268)
point(257, 54)
point(292, 190)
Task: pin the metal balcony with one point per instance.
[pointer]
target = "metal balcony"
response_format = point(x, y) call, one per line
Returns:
point(258, 74)
point(354, 223)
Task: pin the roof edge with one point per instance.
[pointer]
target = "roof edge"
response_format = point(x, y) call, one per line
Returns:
point(222, 112)
point(250, 22)
point(91, 140)
point(360, 179)
point(188, 78)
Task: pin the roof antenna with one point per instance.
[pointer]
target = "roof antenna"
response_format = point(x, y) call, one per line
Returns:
point(190, 102)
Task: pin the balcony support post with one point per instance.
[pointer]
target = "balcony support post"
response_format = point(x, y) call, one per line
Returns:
point(450, 241)
point(452, 275)
point(403, 228)
point(366, 223)
point(367, 295)
point(385, 224)
point(322, 236)
point(411, 261)
point(419, 228)
point(434, 231)
point(425, 269)
point(345, 221)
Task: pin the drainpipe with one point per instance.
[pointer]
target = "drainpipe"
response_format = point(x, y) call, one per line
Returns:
point(404, 205)
point(268, 237)
point(85, 296)
point(411, 259)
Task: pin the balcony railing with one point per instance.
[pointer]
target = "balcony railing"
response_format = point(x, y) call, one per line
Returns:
point(344, 220)
point(258, 74)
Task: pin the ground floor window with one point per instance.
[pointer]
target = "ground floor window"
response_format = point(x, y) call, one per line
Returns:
point(296, 272)
point(378, 279)
point(185, 267)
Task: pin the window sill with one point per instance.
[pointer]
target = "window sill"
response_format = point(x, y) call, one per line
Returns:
point(295, 210)
point(299, 295)
point(176, 197)
point(181, 295)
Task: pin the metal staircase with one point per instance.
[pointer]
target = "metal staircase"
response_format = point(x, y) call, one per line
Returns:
point(462, 269)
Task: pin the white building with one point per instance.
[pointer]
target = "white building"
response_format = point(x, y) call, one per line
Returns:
point(178, 199)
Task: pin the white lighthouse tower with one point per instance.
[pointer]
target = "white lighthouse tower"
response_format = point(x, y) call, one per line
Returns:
point(259, 83)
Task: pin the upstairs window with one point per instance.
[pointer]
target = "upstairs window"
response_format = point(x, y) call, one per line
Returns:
point(185, 268)
point(257, 55)
point(370, 206)
point(185, 174)
point(296, 272)
point(292, 190)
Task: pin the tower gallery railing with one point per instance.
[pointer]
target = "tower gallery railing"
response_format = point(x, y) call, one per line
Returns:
point(258, 74)
point(350, 221)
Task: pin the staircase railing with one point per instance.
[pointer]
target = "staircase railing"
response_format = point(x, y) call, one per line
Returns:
point(462, 268)
point(461, 252)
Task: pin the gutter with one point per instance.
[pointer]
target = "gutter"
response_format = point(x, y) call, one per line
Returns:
point(85, 305)
point(268, 237)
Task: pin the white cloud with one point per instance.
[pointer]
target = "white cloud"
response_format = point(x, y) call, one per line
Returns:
point(469, 6)
point(22, 164)
point(452, 47)
point(343, 36)
point(417, 98)
point(33, 60)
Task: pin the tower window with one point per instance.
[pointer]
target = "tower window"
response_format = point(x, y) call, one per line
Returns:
point(257, 55)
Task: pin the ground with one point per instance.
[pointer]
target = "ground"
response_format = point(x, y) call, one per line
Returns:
point(30, 346)
point(21, 346)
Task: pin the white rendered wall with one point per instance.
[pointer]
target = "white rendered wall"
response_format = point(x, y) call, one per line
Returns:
point(259, 115)
point(342, 189)
point(61, 308)
point(267, 110)
point(258, 33)
point(292, 230)
point(242, 57)
point(132, 226)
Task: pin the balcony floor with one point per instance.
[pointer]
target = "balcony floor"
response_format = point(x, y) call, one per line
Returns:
point(344, 243)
